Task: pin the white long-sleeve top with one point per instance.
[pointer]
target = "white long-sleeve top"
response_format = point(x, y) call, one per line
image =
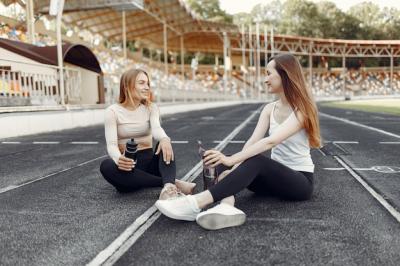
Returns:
point(122, 124)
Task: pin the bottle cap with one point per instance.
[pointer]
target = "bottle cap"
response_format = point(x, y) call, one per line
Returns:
point(131, 145)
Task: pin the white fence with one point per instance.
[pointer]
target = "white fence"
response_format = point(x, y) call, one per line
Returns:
point(32, 88)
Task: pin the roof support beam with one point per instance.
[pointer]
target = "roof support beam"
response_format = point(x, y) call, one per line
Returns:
point(143, 30)
point(159, 19)
point(114, 19)
point(94, 15)
point(124, 33)
point(165, 49)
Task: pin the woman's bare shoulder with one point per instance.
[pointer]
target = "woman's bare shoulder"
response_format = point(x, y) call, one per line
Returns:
point(268, 108)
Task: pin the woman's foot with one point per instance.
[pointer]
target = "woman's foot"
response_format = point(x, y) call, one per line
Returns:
point(181, 208)
point(187, 188)
point(221, 216)
point(169, 191)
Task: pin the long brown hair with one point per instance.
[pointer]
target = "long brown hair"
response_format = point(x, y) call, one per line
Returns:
point(298, 95)
point(127, 89)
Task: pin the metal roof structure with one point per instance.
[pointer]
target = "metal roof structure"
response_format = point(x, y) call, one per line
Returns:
point(144, 21)
point(147, 20)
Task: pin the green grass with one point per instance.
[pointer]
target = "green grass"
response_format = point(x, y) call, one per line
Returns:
point(390, 106)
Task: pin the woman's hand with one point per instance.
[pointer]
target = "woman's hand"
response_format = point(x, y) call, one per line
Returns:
point(166, 148)
point(213, 158)
point(125, 164)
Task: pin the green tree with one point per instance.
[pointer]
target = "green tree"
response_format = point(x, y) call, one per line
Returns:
point(300, 17)
point(371, 19)
point(391, 23)
point(209, 10)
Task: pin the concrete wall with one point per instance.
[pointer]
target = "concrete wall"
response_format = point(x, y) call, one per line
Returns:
point(89, 87)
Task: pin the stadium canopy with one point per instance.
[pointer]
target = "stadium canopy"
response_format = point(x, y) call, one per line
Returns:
point(144, 20)
point(172, 26)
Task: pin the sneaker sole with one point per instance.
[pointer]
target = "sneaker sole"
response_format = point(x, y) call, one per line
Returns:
point(215, 221)
point(174, 216)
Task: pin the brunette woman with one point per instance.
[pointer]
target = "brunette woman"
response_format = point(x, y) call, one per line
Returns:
point(293, 128)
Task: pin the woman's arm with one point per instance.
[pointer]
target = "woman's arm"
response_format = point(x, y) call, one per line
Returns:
point(160, 135)
point(262, 126)
point(288, 128)
point(292, 125)
point(110, 127)
point(156, 130)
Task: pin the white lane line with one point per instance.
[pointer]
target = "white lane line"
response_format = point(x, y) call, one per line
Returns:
point(360, 125)
point(123, 242)
point(84, 142)
point(11, 142)
point(340, 148)
point(323, 153)
point(179, 141)
point(378, 117)
point(375, 194)
point(389, 142)
point(46, 142)
point(341, 168)
point(182, 128)
point(232, 141)
point(11, 187)
point(345, 142)
point(128, 237)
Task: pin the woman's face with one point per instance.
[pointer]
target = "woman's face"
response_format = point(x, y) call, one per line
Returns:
point(142, 85)
point(273, 81)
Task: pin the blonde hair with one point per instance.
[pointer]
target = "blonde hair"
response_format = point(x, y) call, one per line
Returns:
point(127, 89)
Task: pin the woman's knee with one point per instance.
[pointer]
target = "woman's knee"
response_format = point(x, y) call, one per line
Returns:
point(253, 162)
point(257, 158)
point(106, 166)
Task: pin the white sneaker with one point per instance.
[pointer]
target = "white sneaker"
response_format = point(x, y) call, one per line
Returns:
point(221, 216)
point(182, 208)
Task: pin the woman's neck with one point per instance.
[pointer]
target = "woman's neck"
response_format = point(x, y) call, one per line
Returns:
point(130, 106)
point(283, 100)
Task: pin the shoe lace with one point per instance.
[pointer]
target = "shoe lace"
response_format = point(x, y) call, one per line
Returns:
point(172, 190)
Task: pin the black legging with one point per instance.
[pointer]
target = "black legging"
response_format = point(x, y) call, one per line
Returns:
point(264, 176)
point(150, 171)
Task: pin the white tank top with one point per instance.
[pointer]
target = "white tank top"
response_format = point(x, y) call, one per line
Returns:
point(293, 152)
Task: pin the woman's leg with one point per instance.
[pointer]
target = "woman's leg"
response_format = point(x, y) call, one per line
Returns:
point(275, 176)
point(223, 172)
point(128, 181)
point(159, 168)
point(303, 191)
point(271, 176)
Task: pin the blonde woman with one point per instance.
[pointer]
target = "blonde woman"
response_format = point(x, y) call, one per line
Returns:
point(293, 128)
point(135, 116)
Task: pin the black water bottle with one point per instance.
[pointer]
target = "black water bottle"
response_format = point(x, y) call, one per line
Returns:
point(131, 150)
point(210, 175)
